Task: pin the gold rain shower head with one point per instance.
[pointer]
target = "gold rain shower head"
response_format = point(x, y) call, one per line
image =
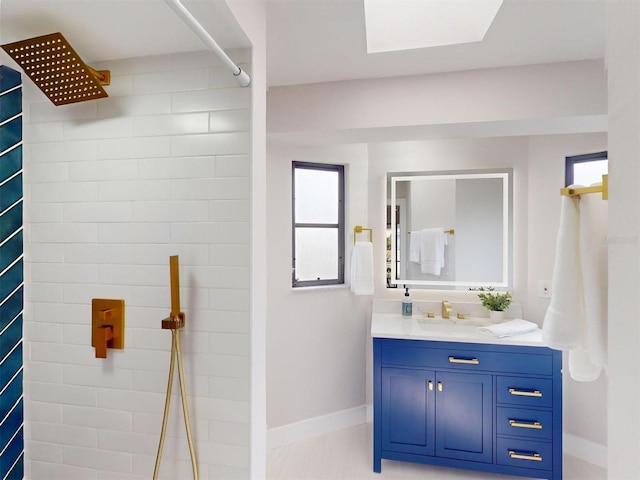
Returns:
point(57, 69)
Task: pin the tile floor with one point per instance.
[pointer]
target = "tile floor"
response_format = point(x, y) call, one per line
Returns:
point(347, 454)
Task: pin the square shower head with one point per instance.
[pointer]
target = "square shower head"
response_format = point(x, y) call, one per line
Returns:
point(57, 69)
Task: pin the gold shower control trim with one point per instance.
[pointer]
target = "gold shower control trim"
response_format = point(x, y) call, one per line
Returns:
point(107, 325)
point(56, 69)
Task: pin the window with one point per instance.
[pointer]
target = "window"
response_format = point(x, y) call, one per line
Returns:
point(318, 224)
point(586, 169)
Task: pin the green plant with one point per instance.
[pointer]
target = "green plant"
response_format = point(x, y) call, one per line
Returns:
point(492, 300)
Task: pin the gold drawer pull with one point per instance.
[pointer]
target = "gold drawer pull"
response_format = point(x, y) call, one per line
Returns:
point(524, 393)
point(430, 384)
point(517, 424)
point(518, 456)
point(467, 361)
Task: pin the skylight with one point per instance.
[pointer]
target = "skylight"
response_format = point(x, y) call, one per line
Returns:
point(409, 24)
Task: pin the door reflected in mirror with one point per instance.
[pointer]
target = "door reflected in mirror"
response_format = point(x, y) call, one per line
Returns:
point(450, 230)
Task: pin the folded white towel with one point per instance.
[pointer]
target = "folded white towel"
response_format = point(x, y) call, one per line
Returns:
point(414, 246)
point(362, 268)
point(432, 242)
point(509, 329)
point(562, 323)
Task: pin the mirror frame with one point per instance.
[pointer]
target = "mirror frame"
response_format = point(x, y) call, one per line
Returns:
point(506, 174)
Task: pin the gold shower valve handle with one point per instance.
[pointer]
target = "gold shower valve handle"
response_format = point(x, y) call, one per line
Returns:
point(105, 334)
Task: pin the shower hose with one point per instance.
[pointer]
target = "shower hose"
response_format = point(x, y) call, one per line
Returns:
point(176, 352)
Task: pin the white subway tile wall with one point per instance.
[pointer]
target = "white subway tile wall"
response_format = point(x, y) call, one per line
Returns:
point(112, 189)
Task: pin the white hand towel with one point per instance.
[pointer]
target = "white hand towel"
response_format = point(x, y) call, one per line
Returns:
point(362, 268)
point(432, 241)
point(509, 329)
point(562, 322)
point(414, 246)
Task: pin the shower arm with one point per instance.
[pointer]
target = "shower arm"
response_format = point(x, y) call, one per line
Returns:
point(243, 78)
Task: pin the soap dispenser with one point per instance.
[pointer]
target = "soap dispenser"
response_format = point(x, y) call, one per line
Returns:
point(407, 305)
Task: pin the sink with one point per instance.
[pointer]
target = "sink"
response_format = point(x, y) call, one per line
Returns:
point(472, 321)
point(451, 325)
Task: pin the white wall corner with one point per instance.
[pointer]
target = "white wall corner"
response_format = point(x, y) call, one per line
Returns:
point(314, 427)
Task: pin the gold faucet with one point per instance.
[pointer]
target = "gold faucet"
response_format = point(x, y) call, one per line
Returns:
point(446, 309)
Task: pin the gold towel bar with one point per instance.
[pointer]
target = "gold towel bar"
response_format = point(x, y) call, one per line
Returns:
point(359, 229)
point(604, 189)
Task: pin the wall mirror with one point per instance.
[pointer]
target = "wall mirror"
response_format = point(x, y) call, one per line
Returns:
point(450, 230)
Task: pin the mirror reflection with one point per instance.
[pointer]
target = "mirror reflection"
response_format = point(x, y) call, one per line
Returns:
point(449, 230)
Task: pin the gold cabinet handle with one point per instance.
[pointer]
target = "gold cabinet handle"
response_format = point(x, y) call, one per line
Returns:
point(430, 383)
point(439, 386)
point(519, 456)
point(467, 361)
point(517, 424)
point(525, 393)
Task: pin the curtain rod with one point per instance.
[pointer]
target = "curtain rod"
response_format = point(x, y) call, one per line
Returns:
point(243, 78)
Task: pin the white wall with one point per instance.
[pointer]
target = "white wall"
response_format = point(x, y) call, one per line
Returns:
point(316, 336)
point(251, 15)
point(565, 96)
point(623, 58)
point(114, 187)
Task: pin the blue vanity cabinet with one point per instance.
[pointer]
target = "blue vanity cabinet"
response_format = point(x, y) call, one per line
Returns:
point(488, 407)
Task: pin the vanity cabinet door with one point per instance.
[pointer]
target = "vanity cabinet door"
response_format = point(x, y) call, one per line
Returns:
point(408, 405)
point(464, 416)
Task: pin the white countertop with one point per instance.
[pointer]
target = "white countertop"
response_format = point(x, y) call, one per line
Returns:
point(418, 327)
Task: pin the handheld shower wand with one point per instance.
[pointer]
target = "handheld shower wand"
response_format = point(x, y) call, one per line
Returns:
point(175, 322)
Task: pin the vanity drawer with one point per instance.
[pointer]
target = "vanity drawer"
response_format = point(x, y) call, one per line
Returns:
point(442, 356)
point(522, 422)
point(532, 392)
point(525, 453)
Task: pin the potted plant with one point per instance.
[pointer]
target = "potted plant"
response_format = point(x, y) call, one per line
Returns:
point(495, 302)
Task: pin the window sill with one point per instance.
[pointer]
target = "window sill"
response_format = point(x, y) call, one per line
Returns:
point(315, 288)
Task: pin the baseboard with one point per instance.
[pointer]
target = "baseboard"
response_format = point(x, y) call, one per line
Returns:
point(314, 427)
point(585, 450)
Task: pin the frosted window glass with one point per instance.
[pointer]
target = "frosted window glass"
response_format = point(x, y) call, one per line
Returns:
point(316, 196)
point(316, 253)
point(588, 173)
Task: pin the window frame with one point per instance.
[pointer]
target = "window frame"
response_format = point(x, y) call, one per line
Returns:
point(340, 226)
point(571, 161)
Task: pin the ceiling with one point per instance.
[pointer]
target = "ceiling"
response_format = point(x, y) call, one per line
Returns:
point(309, 41)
